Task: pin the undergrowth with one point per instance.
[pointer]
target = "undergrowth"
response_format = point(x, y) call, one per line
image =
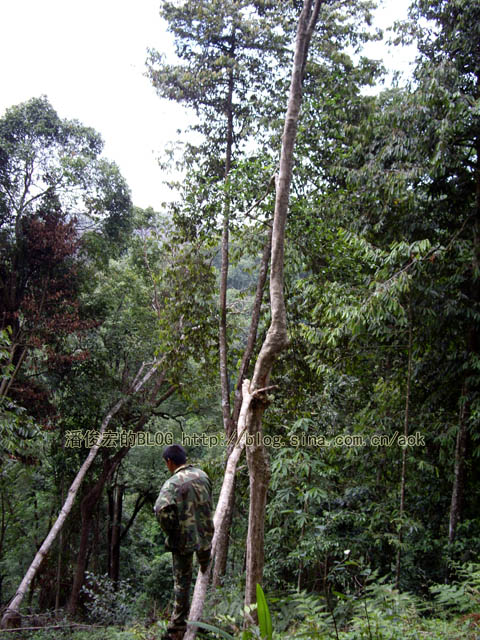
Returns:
point(376, 612)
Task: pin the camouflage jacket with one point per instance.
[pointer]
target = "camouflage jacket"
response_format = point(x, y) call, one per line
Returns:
point(184, 510)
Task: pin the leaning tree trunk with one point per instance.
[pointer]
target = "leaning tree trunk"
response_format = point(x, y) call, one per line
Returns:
point(220, 516)
point(92, 498)
point(11, 613)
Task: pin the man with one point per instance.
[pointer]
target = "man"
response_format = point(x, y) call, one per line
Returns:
point(184, 511)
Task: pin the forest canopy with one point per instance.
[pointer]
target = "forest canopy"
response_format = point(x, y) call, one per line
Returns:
point(329, 366)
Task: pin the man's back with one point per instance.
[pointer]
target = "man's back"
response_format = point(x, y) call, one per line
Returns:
point(185, 506)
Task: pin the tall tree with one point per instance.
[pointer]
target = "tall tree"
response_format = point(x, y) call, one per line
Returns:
point(57, 195)
point(276, 338)
point(229, 52)
point(254, 392)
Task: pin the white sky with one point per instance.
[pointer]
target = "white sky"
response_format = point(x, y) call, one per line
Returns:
point(88, 58)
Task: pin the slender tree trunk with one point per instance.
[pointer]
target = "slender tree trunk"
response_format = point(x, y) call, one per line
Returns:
point(223, 535)
point(114, 569)
point(259, 468)
point(302, 535)
point(94, 550)
point(110, 506)
point(276, 339)
point(228, 426)
point(221, 552)
point(223, 350)
point(12, 611)
point(140, 501)
point(252, 334)
point(81, 565)
point(403, 480)
point(459, 471)
point(58, 579)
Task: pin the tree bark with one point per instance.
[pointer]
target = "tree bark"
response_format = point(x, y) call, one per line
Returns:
point(12, 611)
point(223, 542)
point(259, 468)
point(58, 578)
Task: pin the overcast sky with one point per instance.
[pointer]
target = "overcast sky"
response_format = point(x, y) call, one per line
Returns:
point(88, 58)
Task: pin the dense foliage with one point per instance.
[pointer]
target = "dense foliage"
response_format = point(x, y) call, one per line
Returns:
point(372, 526)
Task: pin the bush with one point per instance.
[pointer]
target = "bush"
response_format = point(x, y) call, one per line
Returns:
point(107, 605)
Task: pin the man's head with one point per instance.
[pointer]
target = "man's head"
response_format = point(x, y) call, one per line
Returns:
point(174, 455)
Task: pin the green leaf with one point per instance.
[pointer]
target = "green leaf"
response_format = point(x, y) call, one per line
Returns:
point(211, 627)
point(264, 618)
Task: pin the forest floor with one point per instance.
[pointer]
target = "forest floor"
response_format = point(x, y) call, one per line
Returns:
point(466, 627)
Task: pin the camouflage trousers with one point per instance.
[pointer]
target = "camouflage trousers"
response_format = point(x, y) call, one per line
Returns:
point(182, 579)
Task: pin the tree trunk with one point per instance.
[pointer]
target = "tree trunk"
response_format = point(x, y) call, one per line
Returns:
point(140, 501)
point(302, 534)
point(81, 566)
point(459, 473)
point(110, 507)
point(86, 510)
point(276, 339)
point(221, 553)
point(114, 568)
point(228, 425)
point(403, 480)
point(58, 577)
point(223, 536)
point(259, 468)
point(223, 351)
point(12, 611)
